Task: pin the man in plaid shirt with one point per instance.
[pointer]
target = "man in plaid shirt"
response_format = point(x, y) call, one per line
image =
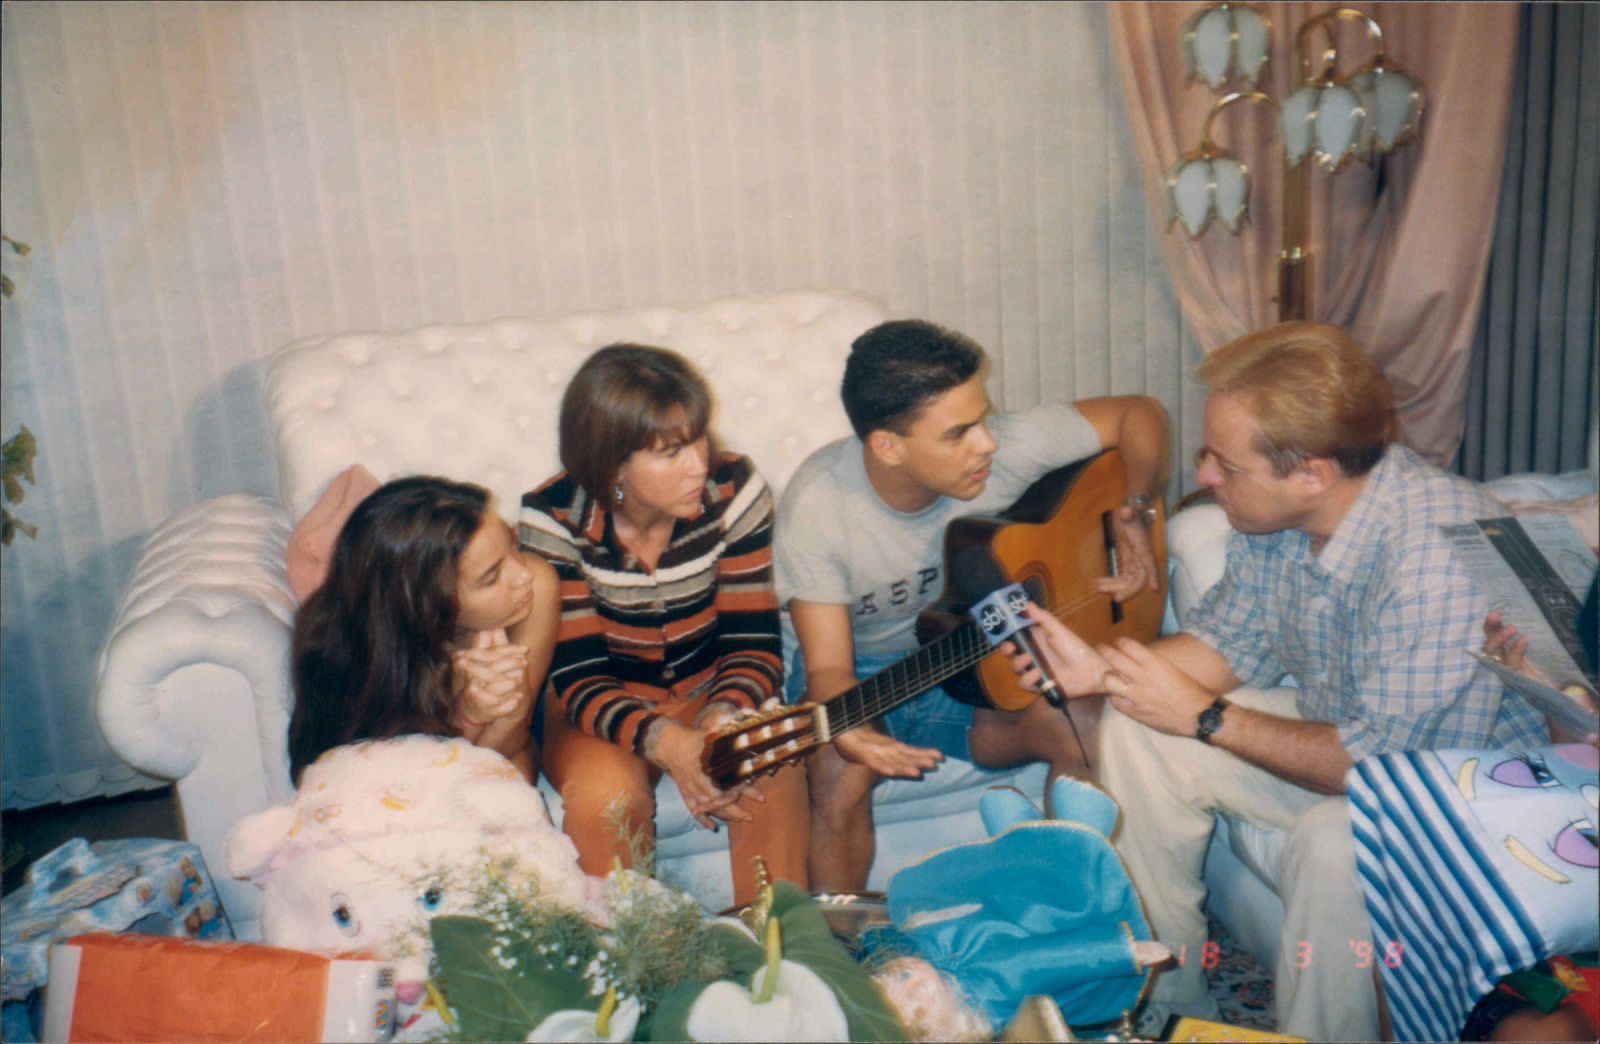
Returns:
point(1339, 582)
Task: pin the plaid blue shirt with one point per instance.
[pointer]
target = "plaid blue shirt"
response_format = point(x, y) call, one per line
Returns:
point(1374, 630)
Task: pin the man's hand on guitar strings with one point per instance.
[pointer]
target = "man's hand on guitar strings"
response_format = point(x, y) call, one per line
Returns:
point(1078, 667)
point(885, 755)
point(1136, 557)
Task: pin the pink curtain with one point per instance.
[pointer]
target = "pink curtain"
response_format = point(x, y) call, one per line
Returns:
point(1398, 249)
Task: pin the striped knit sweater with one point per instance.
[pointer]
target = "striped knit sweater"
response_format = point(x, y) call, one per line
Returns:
point(706, 621)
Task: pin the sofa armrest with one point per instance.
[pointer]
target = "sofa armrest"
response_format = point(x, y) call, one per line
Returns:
point(209, 588)
point(1197, 551)
point(194, 678)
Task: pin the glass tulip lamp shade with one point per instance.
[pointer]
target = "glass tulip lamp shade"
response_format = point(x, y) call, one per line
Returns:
point(1371, 113)
point(1225, 42)
point(1393, 102)
point(1208, 184)
point(1324, 120)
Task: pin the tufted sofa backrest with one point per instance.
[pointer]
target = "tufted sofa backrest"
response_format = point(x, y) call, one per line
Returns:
point(478, 401)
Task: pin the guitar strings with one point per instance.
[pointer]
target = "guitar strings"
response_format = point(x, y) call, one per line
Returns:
point(908, 678)
point(899, 682)
point(922, 670)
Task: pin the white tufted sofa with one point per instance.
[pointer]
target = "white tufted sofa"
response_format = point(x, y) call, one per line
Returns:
point(193, 682)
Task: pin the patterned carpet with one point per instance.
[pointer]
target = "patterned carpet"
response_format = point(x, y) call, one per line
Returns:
point(1241, 988)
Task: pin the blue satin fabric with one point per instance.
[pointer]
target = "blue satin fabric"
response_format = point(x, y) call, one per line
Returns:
point(1045, 907)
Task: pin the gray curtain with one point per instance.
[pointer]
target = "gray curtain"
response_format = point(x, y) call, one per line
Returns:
point(1532, 398)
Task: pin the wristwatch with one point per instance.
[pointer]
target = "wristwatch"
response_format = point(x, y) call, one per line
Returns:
point(1144, 505)
point(1210, 720)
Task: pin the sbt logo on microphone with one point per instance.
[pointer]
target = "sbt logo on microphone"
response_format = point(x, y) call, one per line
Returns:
point(999, 613)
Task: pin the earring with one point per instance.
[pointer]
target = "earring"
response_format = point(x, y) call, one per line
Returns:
point(618, 494)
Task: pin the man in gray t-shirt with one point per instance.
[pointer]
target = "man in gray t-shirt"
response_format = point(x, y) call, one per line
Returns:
point(859, 554)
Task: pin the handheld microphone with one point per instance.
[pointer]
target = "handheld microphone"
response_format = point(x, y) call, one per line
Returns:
point(1000, 617)
point(997, 606)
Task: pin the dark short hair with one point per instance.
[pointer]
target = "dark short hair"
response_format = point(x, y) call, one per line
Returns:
point(896, 368)
point(625, 398)
point(370, 653)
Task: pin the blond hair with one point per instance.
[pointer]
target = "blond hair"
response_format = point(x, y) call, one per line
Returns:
point(1313, 391)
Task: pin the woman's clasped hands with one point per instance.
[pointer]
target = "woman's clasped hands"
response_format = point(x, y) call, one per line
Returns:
point(490, 679)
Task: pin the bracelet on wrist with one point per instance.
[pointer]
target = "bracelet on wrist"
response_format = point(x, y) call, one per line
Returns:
point(652, 738)
point(724, 708)
point(1143, 505)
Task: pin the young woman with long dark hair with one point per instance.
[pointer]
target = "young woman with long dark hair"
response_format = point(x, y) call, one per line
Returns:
point(430, 620)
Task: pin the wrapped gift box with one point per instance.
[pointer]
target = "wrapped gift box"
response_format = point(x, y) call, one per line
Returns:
point(152, 988)
point(147, 885)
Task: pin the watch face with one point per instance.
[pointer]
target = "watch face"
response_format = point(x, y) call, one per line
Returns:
point(1210, 721)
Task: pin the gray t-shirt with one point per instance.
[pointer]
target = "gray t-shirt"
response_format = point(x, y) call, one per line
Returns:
point(838, 543)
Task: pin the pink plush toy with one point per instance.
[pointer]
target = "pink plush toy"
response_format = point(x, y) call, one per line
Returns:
point(383, 836)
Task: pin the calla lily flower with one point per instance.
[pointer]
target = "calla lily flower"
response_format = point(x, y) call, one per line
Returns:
point(578, 1024)
point(785, 1001)
point(801, 1008)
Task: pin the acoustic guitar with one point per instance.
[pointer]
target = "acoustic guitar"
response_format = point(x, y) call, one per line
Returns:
point(1056, 539)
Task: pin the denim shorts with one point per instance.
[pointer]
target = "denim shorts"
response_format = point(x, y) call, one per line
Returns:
point(931, 719)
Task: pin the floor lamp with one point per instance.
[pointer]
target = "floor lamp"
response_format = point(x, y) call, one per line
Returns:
point(1329, 117)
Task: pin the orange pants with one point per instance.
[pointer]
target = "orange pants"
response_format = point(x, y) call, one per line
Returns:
point(608, 796)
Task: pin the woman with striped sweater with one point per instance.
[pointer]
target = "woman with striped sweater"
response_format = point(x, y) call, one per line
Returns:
point(669, 621)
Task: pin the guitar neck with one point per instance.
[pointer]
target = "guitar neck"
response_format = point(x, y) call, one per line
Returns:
point(881, 693)
point(1054, 536)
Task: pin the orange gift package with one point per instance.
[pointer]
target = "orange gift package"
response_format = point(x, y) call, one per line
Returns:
point(154, 988)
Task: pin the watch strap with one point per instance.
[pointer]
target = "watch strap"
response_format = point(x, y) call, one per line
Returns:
point(1210, 720)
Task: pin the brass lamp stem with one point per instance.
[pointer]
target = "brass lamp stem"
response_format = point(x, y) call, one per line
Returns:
point(1294, 260)
point(1329, 59)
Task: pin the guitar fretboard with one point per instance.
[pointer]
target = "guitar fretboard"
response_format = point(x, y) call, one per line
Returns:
point(912, 676)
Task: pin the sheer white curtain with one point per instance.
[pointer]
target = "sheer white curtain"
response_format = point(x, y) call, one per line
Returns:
point(202, 183)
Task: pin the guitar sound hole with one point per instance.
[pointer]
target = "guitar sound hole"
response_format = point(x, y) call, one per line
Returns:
point(1035, 579)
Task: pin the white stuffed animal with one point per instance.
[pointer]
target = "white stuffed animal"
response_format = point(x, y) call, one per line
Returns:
point(382, 836)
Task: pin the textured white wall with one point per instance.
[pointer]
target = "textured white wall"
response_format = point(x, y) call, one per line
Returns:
point(202, 183)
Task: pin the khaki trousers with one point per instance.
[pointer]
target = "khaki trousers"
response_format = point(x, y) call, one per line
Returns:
point(1170, 789)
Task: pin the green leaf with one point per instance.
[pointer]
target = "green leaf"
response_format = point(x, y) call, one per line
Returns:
point(808, 940)
point(19, 453)
point(504, 996)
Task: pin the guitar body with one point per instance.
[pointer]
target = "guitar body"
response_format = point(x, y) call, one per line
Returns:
point(1056, 540)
